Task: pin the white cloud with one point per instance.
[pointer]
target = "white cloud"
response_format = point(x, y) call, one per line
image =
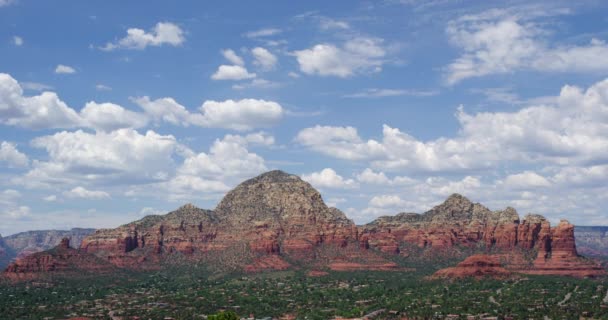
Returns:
point(18, 41)
point(120, 157)
point(228, 162)
point(326, 23)
point(368, 176)
point(378, 93)
point(355, 56)
point(264, 58)
point(167, 110)
point(328, 178)
point(339, 142)
point(569, 132)
point(109, 116)
point(576, 176)
point(266, 32)
point(386, 201)
point(526, 180)
point(231, 56)
point(500, 42)
point(50, 198)
point(234, 72)
point(241, 115)
point(258, 84)
point(12, 156)
point(102, 87)
point(63, 69)
point(164, 33)
point(81, 192)
point(43, 111)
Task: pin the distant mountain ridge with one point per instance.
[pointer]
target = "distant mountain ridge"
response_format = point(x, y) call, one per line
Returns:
point(277, 221)
point(592, 240)
point(29, 242)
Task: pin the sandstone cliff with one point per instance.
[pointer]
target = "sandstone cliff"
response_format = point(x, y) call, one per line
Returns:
point(62, 259)
point(277, 221)
point(26, 243)
point(257, 225)
point(528, 246)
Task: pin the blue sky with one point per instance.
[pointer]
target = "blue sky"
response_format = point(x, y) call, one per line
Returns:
point(110, 111)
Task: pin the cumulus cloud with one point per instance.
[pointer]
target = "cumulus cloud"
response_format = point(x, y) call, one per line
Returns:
point(328, 178)
point(109, 116)
point(500, 42)
point(526, 180)
point(228, 162)
point(44, 111)
point(11, 156)
point(63, 69)
point(231, 56)
point(163, 33)
point(368, 176)
point(234, 72)
point(81, 192)
point(339, 142)
point(166, 110)
point(121, 156)
point(355, 56)
point(385, 201)
point(245, 114)
point(264, 58)
point(571, 131)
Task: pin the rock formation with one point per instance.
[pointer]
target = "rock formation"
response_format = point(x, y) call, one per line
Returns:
point(475, 266)
point(460, 223)
point(25, 243)
point(261, 221)
point(277, 221)
point(61, 259)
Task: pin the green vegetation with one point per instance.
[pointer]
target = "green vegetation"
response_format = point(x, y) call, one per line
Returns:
point(193, 294)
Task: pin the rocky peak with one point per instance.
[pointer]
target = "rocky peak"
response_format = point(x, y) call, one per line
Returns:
point(274, 196)
point(457, 208)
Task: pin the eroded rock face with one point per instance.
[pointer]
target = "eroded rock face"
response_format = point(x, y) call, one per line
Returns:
point(277, 221)
point(29, 242)
point(273, 214)
point(475, 266)
point(459, 222)
point(61, 259)
point(558, 255)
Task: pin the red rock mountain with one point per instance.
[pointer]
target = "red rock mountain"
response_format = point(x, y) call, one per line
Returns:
point(257, 225)
point(61, 259)
point(459, 223)
point(278, 221)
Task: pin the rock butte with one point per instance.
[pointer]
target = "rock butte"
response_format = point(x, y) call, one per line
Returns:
point(277, 221)
point(476, 266)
